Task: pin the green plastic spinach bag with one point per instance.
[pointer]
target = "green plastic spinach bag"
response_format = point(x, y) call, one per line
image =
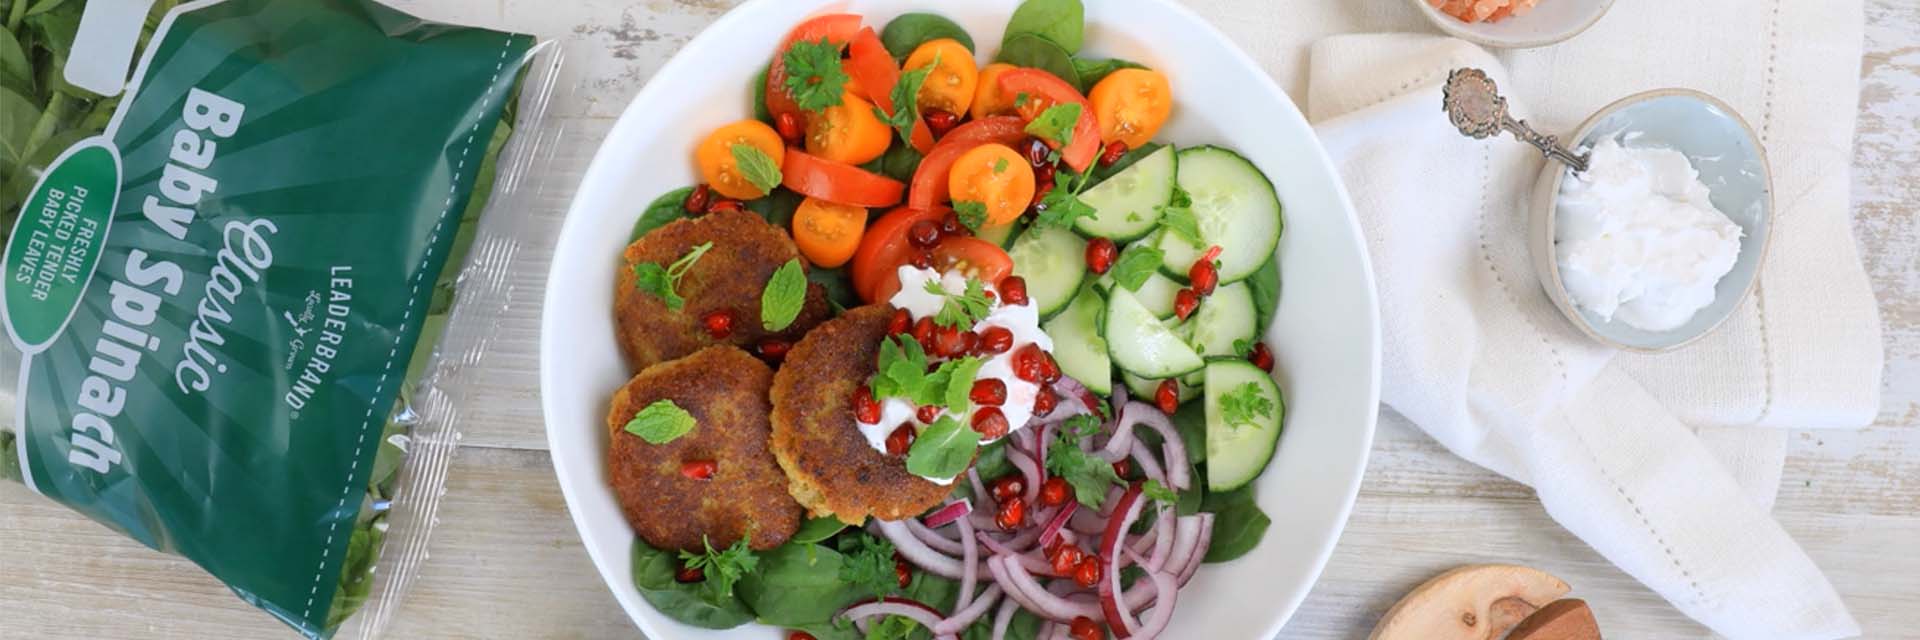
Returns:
point(223, 278)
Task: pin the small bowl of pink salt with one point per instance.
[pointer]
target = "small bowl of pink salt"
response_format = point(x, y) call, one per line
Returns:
point(1513, 24)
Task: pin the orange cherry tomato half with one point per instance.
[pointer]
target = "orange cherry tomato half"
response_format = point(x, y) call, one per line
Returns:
point(972, 257)
point(811, 175)
point(950, 86)
point(828, 233)
point(994, 175)
point(988, 99)
point(837, 28)
point(885, 247)
point(718, 166)
point(1044, 90)
point(1130, 105)
point(848, 132)
point(930, 185)
point(869, 64)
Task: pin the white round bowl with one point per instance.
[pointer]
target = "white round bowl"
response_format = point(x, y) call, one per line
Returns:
point(1325, 331)
point(1723, 148)
point(1549, 22)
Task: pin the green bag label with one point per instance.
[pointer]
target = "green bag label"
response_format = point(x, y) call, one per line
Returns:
point(219, 299)
point(60, 235)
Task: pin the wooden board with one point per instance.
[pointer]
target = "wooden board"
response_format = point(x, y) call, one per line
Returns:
point(506, 562)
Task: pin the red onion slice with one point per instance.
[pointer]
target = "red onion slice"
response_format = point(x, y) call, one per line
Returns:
point(933, 538)
point(965, 616)
point(1166, 593)
point(891, 606)
point(1199, 553)
point(969, 566)
point(1128, 510)
point(952, 511)
point(1004, 617)
point(1051, 531)
point(1029, 559)
point(917, 552)
point(1021, 586)
point(1031, 470)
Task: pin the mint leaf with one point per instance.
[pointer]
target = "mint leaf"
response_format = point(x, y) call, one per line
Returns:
point(1137, 263)
point(783, 296)
point(960, 381)
point(660, 281)
point(902, 369)
point(972, 214)
point(1056, 123)
point(1177, 216)
point(906, 100)
point(1245, 405)
point(943, 449)
point(814, 77)
point(756, 167)
point(661, 422)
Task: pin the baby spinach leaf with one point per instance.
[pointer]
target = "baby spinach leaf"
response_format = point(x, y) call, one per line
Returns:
point(1238, 524)
point(837, 285)
point(777, 207)
point(1265, 287)
point(653, 572)
point(1028, 50)
point(907, 32)
point(899, 163)
point(816, 530)
point(1062, 22)
point(760, 111)
point(1093, 71)
point(670, 206)
point(14, 70)
point(797, 585)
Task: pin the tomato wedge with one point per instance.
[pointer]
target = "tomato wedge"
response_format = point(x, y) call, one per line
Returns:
point(970, 256)
point(811, 175)
point(885, 247)
point(837, 28)
point(930, 180)
point(873, 69)
point(1044, 90)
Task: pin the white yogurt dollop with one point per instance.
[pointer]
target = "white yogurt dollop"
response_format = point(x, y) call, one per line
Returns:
point(1637, 239)
point(1023, 321)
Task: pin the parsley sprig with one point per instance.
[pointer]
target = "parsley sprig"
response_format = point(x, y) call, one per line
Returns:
point(1088, 474)
point(721, 568)
point(814, 77)
point(1245, 405)
point(971, 213)
point(660, 281)
point(867, 562)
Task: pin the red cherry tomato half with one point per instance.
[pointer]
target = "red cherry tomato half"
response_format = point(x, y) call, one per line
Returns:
point(838, 182)
point(873, 69)
point(972, 257)
point(1044, 90)
point(838, 28)
point(930, 180)
point(885, 247)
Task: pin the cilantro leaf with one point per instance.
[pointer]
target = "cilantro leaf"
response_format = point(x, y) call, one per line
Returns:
point(972, 214)
point(1177, 216)
point(1242, 348)
point(1056, 123)
point(660, 281)
point(1153, 489)
point(721, 568)
point(867, 563)
point(781, 299)
point(1089, 475)
point(906, 100)
point(964, 309)
point(814, 77)
point(1137, 263)
point(1245, 405)
point(892, 628)
point(1060, 208)
point(960, 381)
point(756, 167)
point(1079, 426)
point(661, 422)
point(944, 449)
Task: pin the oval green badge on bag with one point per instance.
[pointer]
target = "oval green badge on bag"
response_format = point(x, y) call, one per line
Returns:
point(57, 242)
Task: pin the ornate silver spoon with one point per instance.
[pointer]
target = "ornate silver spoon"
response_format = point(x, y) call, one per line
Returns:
point(1474, 105)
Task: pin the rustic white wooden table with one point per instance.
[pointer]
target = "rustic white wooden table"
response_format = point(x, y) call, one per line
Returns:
point(507, 564)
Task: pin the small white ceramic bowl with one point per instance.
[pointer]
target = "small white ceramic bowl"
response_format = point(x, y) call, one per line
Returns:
point(1723, 148)
point(1549, 22)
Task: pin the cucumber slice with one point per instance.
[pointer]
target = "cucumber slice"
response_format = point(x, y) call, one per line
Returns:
point(1001, 235)
point(1236, 208)
point(1156, 294)
point(1141, 344)
point(1223, 318)
point(1077, 344)
point(1238, 452)
point(1053, 262)
point(1143, 389)
point(1127, 205)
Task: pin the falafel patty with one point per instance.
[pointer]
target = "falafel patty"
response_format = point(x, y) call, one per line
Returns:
point(746, 251)
point(725, 390)
point(832, 468)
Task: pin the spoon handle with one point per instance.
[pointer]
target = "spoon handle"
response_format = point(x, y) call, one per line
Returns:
point(1549, 146)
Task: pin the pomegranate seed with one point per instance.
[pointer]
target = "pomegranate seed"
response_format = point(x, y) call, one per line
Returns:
point(922, 260)
point(789, 127)
point(1261, 357)
point(1184, 302)
point(940, 122)
point(968, 341)
point(1008, 487)
point(989, 296)
point(719, 323)
point(988, 391)
point(923, 332)
point(698, 469)
point(1043, 173)
point(902, 572)
point(689, 574)
point(1044, 402)
point(1082, 628)
point(1064, 558)
point(1088, 573)
point(801, 635)
point(1123, 468)
point(927, 414)
point(900, 440)
point(900, 323)
point(1167, 397)
point(947, 342)
point(1212, 253)
point(1014, 290)
point(924, 234)
point(725, 204)
point(1012, 514)
point(990, 423)
point(1049, 369)
point(865, 408)
point(1040, 190)
point(1204, 277)
point(950, 226)
point(696, 202)
point(1055, 492)
point(773, 350)
point(1100, 255)
point(1026, 363)
point(995, 341)
point(1112, 153)
point(1036, 151)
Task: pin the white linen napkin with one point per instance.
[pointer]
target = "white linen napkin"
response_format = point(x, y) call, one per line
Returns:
point(1475, 353)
